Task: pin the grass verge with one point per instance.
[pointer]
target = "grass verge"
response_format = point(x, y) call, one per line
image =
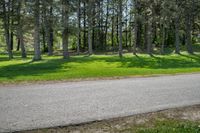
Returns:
point(96, 66)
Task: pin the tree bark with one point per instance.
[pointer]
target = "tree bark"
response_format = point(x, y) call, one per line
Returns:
point(135, 30)
point(79, 27)
point(120, 28)
point(6, 21)
point(50, 32)
point(188, 34)
point(90, 7)
point(37, 52)
point(112, 33)
point(20, 35)
point(149, 40)
point(84, 26)
point(136, 36)
point(163, 40)
point(106, 24)
point(65, 33)
point(177, 41)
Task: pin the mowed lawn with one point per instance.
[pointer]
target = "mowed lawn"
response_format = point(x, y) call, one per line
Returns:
point(96, 66)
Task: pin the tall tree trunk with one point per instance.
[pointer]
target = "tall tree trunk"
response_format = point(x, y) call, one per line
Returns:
point(84, 25)
point(79, 27)
point(47, 24)
point(120, 28)
point(44, 41)
point(136, 27)
point(177, 41)
point(37, 52)
point(11, 39)
point(50, 32)
point(106, 24)
point(12, 24)
point(90, 26)
point(112, 33)
point(18, 44)
point(149, 40)
point(23, 51)
point(136, 36)
point(188, 34)
point(65, 33)
point(117, 28)
point(20, 35)
point(163, 40)
point(145, 35)
point(6, 21)
point(51, 41)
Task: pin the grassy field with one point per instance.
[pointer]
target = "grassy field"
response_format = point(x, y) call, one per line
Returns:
point(96, 66)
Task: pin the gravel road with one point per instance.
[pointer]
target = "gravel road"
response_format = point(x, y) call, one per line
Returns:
point(32, 106)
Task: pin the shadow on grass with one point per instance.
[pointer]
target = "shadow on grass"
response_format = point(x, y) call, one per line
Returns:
point(32, 68)
point(61, 65)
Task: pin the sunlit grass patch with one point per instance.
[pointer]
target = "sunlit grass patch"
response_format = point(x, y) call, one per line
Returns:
point(96, 66)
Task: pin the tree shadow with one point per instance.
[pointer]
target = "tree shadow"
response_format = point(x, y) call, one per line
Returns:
point(32, 68)
point(191, 56)
point(64, 66)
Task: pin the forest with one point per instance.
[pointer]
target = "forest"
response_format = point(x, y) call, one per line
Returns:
point(71, 27)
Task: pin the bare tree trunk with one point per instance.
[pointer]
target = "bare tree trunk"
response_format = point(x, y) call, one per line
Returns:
point(12, 23)
point(136, 27)
point(6, 22)
point(112, 33)
point(136, 36)
point(90, 7)
point(117, 29)
point(11, 39)
point(37, 53)
point(84, 26)
point(20, 32)
point(50, 32)
point(18, 44)
point(145, 35)
point(65, 44)
point(48, 25)
point(188, 35)
point(149, 41)
point(65, 37)
point(120, 28)
point(177, 41)
point(106, 25)
point(163, 40)
point(79, 28)
point(23, 51)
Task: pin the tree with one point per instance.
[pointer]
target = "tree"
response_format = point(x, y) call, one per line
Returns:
point(120, 28)
point(47, 17)
point(6, 23)
point(90, 25)
point(79, 26)
point(37, 52)
point(65, 37)
point(20, 29)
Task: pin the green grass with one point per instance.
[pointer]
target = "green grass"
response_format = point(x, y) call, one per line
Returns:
point(96, 66)
point(168, 126)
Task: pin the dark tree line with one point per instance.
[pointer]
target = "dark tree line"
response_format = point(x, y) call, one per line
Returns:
point(99, 25)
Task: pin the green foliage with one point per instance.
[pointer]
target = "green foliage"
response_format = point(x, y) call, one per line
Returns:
point(81, 67)
point(172, 126)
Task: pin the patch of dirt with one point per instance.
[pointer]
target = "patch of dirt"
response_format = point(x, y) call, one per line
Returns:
point(116, 125)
